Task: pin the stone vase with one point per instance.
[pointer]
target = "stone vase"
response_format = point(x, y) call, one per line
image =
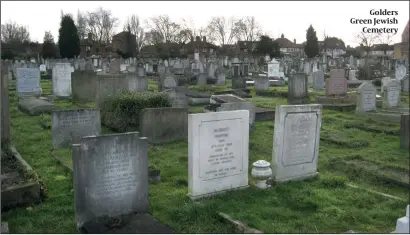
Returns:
point(261, 171)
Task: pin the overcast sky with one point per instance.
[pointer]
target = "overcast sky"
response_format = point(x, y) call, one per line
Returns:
point(290, 18)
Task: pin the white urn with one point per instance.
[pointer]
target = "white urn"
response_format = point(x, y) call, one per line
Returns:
point(261, 171)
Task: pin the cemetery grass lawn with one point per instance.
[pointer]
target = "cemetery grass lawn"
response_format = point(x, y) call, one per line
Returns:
point(324, 205)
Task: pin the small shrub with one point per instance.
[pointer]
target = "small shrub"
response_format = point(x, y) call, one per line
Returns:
point(121, 112)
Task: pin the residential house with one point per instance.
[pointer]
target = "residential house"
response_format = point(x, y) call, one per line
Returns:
point(401, 50)
point(247, 46)
point(90, 47)
point(333, 47)
point(381, 50)
point(289, 47)
point(124, 44)
point(201, 46)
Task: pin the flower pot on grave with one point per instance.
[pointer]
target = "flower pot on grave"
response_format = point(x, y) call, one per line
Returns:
point(261, 171)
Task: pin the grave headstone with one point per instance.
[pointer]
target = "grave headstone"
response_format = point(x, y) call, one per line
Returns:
point(83, 86)
point(61, 76)
point(366, 98)
point(336, 85)
point(233, 106)
point(109, 84)
point(178, 98)
point(405, 84)
point(319, 80)
point(298, 89)
point(137, 83)
point(218, 152)
point(400, 72)
point(261, 83)
point(391, 94)
point(170, 82)
point(28, 82)
point(69, 126)
point(164, 125)
point(5, 112)
point(296, 142)
point(273, 69)
point(106, 168)
point(115, 66)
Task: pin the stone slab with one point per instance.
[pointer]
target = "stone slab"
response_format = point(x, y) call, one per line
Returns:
point(33, 106)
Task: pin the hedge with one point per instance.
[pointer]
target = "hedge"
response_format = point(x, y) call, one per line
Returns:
point(121, 112)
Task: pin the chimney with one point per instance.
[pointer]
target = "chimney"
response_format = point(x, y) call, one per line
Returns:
point(282, 36)
point(294, 40)
point(198, 38)
point(204, 39)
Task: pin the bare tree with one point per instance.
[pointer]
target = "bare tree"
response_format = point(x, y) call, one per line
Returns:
point(81, 24)
point(248, 29)
point(13, 32)
point(366, 41)
point(133, 25)
point(189, 31)
point(223, 30)
point(101, 23)
point(153, 37)
point(164, 26)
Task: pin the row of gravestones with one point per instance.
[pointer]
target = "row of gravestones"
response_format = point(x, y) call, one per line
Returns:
point(106, 168)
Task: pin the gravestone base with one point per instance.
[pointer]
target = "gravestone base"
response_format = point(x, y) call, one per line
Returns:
point(334, 100)
point(216, 193)
point(296, 101)
point(384, 116)
point(340, 107)
point(297, 178)
point(131, 224)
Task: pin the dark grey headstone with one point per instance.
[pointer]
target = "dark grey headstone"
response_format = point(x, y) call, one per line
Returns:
point(298, 89)
point(69, 126)
point(163, 125)
point(110, 175)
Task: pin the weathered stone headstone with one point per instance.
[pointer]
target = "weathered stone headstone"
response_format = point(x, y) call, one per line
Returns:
point(62, 80)
point(366, 98)
point(405, 84)
point(218, 152)
point(261, 83)
point(400, 72)
point(319, 80)
point(384, 82)
point(298, 89)
point(405, 131)
point(179, 99)
point(233, 106)
point(5, 112)
point(202, 79)
point(28, 82)
point(83, 86)
point(273, 68)
point(109, 84)
point(115, 66)
point(220, 77)
point(336, 85)
point(296, 142)
point(170, 82)
point(164, 125)
point(106, 169)
point(391, 94)
point(137, 83)
point(69, 126)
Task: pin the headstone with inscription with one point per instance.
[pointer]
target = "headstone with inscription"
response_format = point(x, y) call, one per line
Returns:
point(400, 72)
point(28, 81)
point(261, 83)
point(318, 80)
point(69, 126)
point(366, 98)
point(336, 85)
point(62, 80)
point(296, 142)
point(218, 152)
point(391, 94)
point(298, 89)
point(106, 169)
point(405, 84)
point(273, 69)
